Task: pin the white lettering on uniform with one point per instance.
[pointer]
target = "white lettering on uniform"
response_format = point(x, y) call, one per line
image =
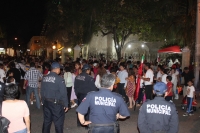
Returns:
point(105, 101)
point(49, 79)
point(158, 109)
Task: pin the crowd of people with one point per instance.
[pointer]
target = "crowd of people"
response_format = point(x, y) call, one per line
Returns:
point(55, 85)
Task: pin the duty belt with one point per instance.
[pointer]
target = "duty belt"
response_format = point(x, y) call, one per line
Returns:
point(115, 125)
point(55, 101)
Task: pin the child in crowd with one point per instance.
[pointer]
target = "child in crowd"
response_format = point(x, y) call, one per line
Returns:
point(190, 97)
point(117, 80)
point(169, 92)
point(130, 88)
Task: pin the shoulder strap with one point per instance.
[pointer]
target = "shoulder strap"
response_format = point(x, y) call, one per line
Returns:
point(1, 108)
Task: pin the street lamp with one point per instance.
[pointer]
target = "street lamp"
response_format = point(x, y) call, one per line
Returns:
point(142, 45)
point(54, 47)
point(69, 50)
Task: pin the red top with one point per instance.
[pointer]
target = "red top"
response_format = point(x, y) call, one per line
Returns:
point(169, 86)
point(46, 71)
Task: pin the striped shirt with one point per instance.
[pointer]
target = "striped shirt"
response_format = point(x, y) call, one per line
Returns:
point(33, 75)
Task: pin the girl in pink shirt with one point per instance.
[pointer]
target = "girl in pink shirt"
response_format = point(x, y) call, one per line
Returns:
point(20, 112)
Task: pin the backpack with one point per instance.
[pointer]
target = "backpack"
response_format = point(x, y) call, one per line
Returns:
point(4, 122)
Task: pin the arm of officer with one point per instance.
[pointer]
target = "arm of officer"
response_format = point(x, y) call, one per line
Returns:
point(142, 124)
point(92, 85)
point(83, 109)
point(63, 93)
point(123, 110)
point(174, 121)
point(76, 86)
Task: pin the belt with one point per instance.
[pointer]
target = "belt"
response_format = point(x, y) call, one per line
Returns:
point(115, 125)
point(54, 101)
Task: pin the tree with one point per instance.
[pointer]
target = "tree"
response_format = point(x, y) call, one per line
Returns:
point(121, 19)
point(68, 22)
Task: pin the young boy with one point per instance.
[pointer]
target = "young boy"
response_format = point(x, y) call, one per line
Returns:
point(169, 93)
point(190, 96)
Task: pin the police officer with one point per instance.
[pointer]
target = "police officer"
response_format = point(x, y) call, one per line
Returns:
point(105, 108)
point(84, 83)
point(54, 98)
point(158, 115)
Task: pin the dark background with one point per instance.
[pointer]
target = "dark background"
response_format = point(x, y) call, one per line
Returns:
point(21, 19)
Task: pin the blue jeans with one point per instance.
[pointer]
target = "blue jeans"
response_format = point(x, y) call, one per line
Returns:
point(22, 131)
point(29, 90)
point(189, 104)
point(102, 129)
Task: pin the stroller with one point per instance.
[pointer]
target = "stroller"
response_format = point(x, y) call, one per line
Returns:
point(184, 104)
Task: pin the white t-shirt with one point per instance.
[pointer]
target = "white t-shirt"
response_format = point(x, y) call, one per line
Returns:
point(149, 74)
point(191, 93)
point(2, 75)
point(159, 75)
point(164, 76)
point(174, 78)
point(97, 81)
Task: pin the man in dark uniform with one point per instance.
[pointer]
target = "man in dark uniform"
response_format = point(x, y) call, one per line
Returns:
point(84, 83)
point(105, 108)
point(158, 115)
point(54, 98)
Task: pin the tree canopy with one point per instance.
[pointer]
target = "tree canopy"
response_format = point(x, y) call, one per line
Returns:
point(74, 21)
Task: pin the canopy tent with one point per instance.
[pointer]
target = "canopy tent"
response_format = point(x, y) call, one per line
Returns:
point(171, 49)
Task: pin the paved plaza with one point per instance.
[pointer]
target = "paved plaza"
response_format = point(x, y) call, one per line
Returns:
point(190, 124)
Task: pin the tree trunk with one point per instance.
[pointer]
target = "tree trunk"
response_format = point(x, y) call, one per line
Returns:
point(118, 54)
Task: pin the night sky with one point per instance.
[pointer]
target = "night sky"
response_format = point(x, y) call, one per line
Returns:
point(22, 18)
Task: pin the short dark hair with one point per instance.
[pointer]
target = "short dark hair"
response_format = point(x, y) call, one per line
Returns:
point(186, 68)
point(122, 64)
point(11, 91)
point(32, 64)
point(9, 80)
point(169, 78)
point(67, 69)
point(107, 80)
point(148, 65)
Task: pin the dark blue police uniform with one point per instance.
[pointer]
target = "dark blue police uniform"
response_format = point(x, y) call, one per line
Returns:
point(104, 106)
point(84, 83)
point(54, 98)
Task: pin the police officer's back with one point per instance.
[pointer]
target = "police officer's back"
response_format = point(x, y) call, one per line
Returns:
point(158, 115)
point(54, 98)
point(105, 107)
point(84, 83)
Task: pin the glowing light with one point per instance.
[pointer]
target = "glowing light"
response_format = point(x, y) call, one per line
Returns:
point(54, 47)
point(69, 50)
point(15, 38)
point(129, 46)
point(142, 45)
point(19, 45)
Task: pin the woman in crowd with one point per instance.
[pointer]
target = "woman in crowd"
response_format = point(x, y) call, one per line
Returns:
point(69, 83)
point(130, 88)
point(19, 118)
point(100, 73)
point(77, 68)
point(174, 82)
point(73, 95)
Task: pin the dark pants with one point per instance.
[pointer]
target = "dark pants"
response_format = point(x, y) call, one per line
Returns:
point(102, 129)
point(69, 91)
point(121, 90)
point(168, 98)
point(149, 92)
point(80, 97)
point(140, 97)
point(53, 113)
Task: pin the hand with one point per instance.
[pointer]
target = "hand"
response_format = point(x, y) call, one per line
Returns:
point(24, 87)
point(66, 109)
point(86, 123)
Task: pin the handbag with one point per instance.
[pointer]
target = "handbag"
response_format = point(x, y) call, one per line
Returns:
point(4, 122)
